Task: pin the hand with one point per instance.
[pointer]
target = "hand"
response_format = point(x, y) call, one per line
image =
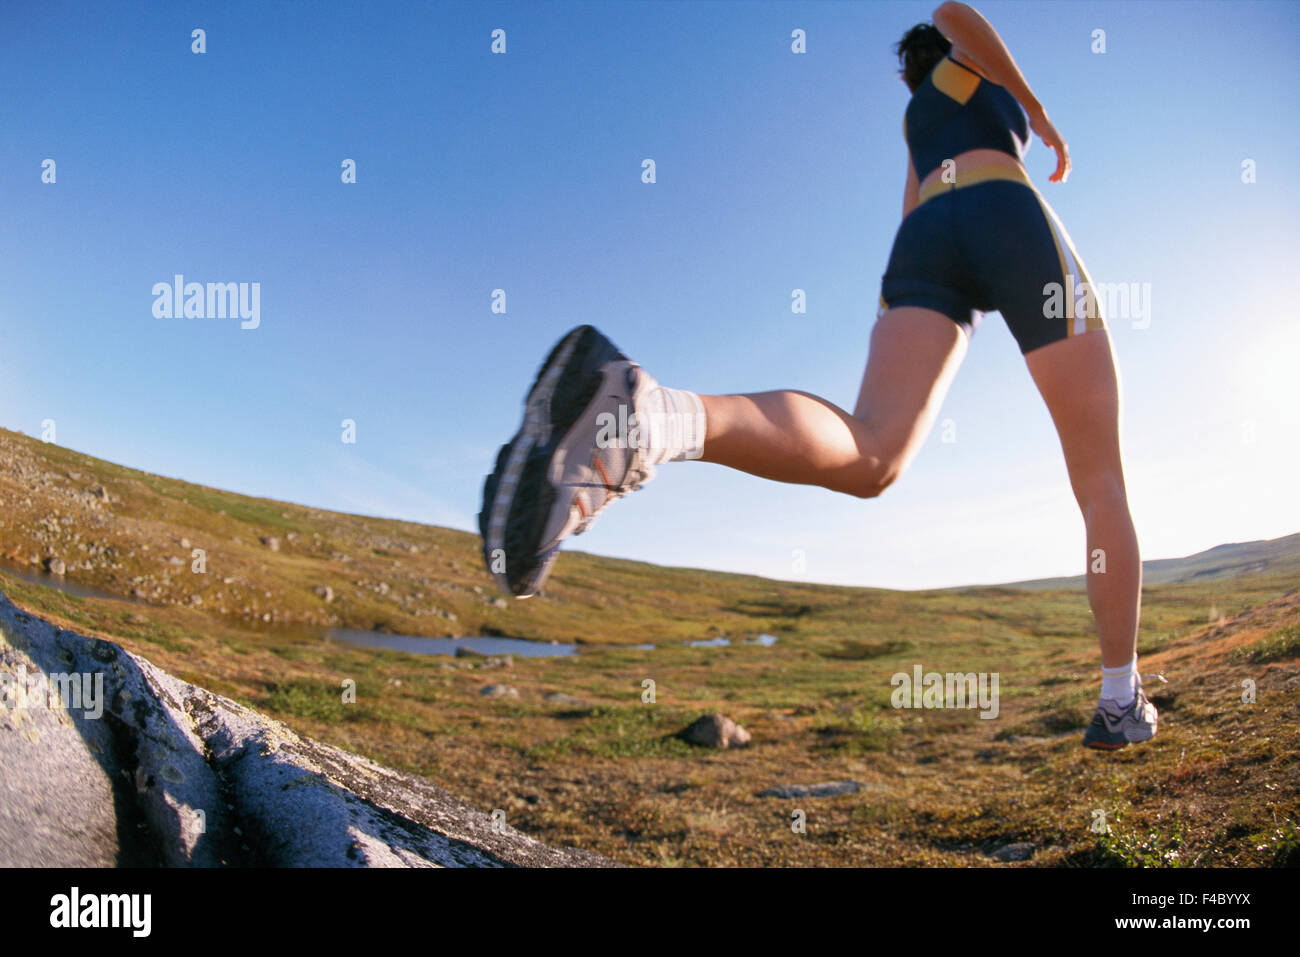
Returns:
point(1040, 124)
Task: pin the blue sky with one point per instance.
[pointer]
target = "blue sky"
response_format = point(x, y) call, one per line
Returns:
point(522, 172)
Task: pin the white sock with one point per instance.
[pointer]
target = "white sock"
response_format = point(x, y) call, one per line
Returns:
point(1120, 684)
point(673, 425)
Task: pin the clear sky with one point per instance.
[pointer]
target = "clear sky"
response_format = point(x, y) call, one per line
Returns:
point(775, 171)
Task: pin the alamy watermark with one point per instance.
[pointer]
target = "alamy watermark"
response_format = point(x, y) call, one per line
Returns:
point(651, 430)
point(179, 299)
point(1122, 300)
point(72, 692)
point(932, 689)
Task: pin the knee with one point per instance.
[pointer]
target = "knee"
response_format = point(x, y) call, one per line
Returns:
point(1101, 490)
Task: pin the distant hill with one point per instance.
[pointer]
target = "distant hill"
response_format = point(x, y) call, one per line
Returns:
point(1277, 556)
point(92, 524)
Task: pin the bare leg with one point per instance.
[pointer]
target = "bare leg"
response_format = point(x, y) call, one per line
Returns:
point(1078, 381)
point(795, 437)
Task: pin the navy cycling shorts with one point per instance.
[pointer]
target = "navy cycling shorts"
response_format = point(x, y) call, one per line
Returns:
point(989, 246)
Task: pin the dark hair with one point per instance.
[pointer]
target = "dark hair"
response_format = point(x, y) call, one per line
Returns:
point(920, 49)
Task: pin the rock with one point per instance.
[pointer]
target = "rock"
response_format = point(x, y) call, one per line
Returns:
point(324, 592)
point(498, 691)
point(271, 542)
point(463, 652)
point(716, 731)
point(126, 788)
point(1020, 851)
point(56, 566)
point(829, 789)
point(101, 493)
point(500, 603)
point(556, 697)
point(499, 661)
point(185, 543)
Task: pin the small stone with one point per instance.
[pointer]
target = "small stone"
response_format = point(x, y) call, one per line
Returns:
point(271, 542)
point(499, 661)
point(557, 697)
point(500, 603)
point(56, 566)
point(829, 789)
point(716, 731)
point(1020, 851)
point(498, 691)
point(324, 592)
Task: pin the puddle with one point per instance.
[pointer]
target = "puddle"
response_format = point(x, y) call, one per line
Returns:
point(766, 640)
point(61, 584)
point(523, 647)
point(447, 646)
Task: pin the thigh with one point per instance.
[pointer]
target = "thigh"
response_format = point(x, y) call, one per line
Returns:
point(1078, 380)
point(914, 355)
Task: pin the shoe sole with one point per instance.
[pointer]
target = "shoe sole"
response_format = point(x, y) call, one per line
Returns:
point(517, 497)
point(1116, 746)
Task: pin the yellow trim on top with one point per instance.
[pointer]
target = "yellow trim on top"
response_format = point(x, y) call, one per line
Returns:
point(954, 80)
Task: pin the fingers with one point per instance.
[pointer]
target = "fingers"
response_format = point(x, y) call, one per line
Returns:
point(1063, 166)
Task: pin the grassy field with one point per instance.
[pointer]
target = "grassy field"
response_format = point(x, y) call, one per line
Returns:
point(604, 770)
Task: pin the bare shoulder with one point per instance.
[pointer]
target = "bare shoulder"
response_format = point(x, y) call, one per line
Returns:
point(961, 56)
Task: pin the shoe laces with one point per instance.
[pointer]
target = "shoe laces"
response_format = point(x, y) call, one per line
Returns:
point(633, 478)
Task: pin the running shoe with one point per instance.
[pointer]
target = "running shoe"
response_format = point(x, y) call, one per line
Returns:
point(1116, 725)
point(577, 450)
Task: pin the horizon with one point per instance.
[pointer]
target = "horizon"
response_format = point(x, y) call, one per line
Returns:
point(795, 581)
point(521, 171)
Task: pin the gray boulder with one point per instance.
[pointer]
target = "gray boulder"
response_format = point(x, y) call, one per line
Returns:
point(170, 774)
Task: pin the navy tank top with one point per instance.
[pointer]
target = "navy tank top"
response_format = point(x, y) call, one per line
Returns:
point(955, 110)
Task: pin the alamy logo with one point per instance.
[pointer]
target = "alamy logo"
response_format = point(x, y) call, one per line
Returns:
point(1123, 300)
point(651, 430)
point(179, 299)
point(133, 911)
point(950, 690)
point(72, 692)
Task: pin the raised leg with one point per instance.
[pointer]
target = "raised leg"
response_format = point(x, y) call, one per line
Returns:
point(790, 436)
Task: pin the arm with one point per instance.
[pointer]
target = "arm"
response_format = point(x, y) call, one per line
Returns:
point(912, 189)
point(974, 38)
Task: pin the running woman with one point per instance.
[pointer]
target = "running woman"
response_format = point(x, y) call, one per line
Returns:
point(976, 236)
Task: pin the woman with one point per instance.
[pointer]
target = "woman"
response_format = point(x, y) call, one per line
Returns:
point(976, 236)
